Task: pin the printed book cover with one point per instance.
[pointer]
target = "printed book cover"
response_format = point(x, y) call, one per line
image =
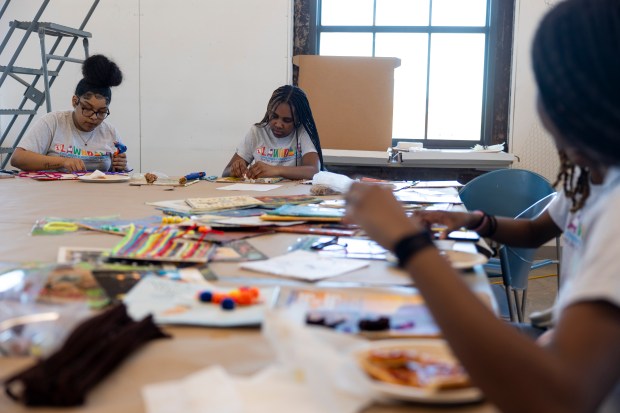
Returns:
point(308, 211)
point(223, 202)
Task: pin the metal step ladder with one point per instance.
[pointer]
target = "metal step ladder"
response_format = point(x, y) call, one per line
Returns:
point(34, 98)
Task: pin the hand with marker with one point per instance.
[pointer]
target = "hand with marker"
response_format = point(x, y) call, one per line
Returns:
point(119, 158)
point(261, 170)
point(238, 168)
point(195, 175)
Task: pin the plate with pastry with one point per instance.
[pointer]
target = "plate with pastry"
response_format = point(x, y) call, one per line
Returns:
point(103, 178)
point(420, 370)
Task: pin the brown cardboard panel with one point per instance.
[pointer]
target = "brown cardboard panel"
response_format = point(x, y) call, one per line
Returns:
point(351, 99)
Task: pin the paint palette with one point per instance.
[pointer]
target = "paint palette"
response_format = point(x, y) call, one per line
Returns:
point(388, 313)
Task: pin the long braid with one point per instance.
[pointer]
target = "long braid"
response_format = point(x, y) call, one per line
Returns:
point(302, 114)
point(577, 188)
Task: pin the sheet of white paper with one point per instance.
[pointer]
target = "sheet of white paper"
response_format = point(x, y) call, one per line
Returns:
point(173, 302)
point(177, 204)
point(249, 187)
point(274, 389)
point(315, 373)
point(305, 265)
point(189, 395)
point(429, 195)
point(438, 184)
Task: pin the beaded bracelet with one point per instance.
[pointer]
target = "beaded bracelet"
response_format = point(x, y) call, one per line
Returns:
point(410, 245)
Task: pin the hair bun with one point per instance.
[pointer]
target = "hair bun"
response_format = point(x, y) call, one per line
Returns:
point(101, 71)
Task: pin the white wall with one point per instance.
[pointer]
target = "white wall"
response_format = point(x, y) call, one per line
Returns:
point(528, 139)
point(198, 73)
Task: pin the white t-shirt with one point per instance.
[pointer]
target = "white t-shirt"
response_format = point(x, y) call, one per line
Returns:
point(594, 244)
point(570, 223)
point(260, 144)
point(55, 134)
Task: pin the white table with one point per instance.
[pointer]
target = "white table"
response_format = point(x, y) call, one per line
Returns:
point(242, 351)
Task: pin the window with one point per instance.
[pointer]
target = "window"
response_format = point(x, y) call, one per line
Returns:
point(452, 88)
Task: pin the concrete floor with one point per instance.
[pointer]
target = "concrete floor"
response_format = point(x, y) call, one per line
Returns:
point(542, 290)
point(541, 293)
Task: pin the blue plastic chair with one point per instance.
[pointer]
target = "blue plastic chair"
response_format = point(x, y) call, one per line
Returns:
point(516, 263)
point(505, 192)
point(510, 193)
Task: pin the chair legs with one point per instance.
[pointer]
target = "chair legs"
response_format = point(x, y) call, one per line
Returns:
point(558, 254)
point(509, 300)
point(516, 303)
point(520, 304)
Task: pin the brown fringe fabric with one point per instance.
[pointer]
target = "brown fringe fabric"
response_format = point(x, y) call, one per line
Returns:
point(93, 350)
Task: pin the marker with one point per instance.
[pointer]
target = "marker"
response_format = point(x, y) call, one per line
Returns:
point(195, 175)
point(120, 148)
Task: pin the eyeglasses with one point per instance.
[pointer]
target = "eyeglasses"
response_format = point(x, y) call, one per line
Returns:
point(350, 248)
point(330, 244)
point(89, 112)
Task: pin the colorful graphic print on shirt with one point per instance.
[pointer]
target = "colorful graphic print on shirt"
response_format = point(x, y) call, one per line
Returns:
point(276, 156)
point(74, 151)
point(573, 232)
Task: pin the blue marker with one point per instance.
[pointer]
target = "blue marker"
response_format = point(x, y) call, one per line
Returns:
point(194, 175)
point(120, 148)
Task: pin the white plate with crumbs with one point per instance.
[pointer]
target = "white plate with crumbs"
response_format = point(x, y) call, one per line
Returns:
point(106, 179)
point(442, 379)
point(462, 260)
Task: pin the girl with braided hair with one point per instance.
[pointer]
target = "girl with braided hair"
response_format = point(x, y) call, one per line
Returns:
point(285, 143)
point(77, 140)
point(575, 367)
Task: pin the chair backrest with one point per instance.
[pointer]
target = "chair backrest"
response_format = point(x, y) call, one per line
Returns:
point(516, 263)
point(505, 192)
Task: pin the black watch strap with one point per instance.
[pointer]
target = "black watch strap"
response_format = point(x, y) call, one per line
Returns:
point(411, 245)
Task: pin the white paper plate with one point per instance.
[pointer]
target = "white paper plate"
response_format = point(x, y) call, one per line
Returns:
point(462, 260)
point(108, 179)
point(435, 347)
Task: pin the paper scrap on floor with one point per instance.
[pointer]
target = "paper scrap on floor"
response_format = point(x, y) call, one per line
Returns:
point(249, 187)
point(305, 265)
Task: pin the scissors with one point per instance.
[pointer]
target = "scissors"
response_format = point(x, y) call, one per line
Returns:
point(61, 226)
point(65, 226)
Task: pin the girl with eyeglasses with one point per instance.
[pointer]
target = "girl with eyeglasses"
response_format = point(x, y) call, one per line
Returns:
point(77, 140)
point(576, 365)
point(285, 143)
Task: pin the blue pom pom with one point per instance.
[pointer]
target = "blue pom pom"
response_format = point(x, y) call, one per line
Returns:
point(205, 296)
point(228, 304)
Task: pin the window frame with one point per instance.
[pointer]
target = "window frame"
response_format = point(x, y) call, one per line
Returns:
point(497, 65)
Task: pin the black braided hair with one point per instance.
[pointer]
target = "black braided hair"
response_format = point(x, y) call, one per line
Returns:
point(100, 73)
point(576, 61)
point(300, 108)
point(576, 187)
